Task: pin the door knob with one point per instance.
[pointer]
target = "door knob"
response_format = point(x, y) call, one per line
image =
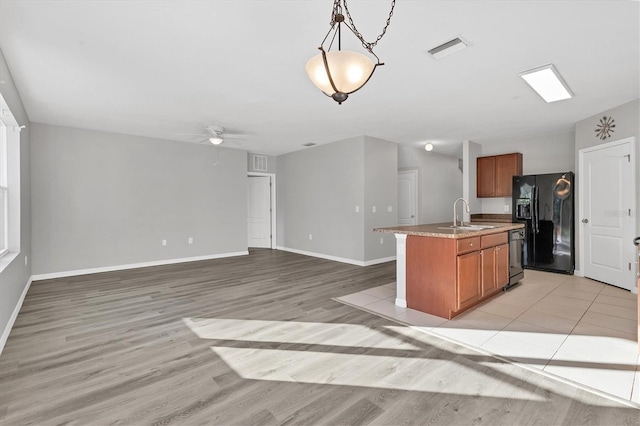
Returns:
point(412, 216)
point(585, 220)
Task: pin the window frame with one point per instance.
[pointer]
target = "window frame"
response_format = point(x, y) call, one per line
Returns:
point(4, 189)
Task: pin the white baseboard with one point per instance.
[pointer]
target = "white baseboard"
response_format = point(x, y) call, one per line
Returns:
point(14, 315)
point(134, 266)
point(336, 258)
point(378, 261)
point(401, 303)
point(578, 273)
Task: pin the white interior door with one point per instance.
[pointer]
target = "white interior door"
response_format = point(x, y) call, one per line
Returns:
point(608, 213)
point(259, 216)
point(408, 197)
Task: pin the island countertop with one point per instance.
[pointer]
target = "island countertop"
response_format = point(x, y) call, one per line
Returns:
point(443, 230)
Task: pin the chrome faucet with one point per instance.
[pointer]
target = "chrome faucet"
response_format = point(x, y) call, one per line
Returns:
point(455, 220)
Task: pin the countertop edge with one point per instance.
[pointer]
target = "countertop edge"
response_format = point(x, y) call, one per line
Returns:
point(431, 230)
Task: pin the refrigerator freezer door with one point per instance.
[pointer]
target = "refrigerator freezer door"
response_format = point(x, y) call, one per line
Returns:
point(553, 241)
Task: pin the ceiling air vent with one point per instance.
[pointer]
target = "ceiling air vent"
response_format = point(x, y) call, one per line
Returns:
point(260, 163)
point(309, 144)
point(446, 49)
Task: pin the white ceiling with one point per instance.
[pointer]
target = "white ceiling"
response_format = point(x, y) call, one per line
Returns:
point(160, 68)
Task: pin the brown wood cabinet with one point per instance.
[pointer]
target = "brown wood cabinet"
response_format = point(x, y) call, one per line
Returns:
point(494, 174)
point(495, 268)
point(447, 276)
point(468, 278)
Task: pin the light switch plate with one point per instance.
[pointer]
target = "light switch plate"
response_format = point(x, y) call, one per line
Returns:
point(357, 209)
point(389, 209)
point(506, 207)
point(373, 209)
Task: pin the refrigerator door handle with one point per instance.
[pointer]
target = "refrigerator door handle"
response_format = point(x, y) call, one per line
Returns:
point(536, 223)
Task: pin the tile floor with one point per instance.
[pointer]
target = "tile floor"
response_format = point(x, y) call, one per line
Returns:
point(571, 327)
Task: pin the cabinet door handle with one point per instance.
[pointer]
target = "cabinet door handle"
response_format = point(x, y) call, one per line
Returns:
point(470, 244)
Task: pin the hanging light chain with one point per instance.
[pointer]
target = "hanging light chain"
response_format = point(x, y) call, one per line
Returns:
point(365, 44)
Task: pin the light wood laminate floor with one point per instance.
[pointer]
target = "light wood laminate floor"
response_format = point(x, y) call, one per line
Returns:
point(257, 340)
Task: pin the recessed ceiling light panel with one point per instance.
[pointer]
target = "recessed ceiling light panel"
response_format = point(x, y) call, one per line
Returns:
point(548, 83)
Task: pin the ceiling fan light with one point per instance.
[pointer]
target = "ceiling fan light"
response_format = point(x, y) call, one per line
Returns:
point(349, 71)
point(216, 140)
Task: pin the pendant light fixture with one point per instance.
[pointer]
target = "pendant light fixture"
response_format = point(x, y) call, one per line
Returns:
point(338, 73)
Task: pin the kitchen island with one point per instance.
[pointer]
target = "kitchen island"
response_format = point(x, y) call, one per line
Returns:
point(443, 271)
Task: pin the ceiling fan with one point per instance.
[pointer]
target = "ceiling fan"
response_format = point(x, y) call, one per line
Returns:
point(215, 135)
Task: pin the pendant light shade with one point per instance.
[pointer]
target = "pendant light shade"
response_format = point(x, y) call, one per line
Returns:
point(338, 73)
point(348, 71)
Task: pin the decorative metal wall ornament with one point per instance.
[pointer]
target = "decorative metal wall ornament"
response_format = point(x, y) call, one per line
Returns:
point(605, 128)
point(340, 72)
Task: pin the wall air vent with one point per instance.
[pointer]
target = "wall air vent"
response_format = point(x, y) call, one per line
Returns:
point(260, 163)
point(449, 47)
point(309, 144)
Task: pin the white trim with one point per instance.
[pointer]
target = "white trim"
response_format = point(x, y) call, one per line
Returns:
point(578, 273)
point(14, 315)
point(631, 141)
point(378, 261)
point(336, 258)
point(6, 259)
point(273, 205)
point(77, 272)
point(401, 270)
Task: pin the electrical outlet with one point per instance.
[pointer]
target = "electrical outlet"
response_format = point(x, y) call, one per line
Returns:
point(381, 240)
point(26, 260)
point(190, 240)
point(389, 209)
point(506, 207)
point(164, 242)
point(357, 209)
point(373, 209)
point(310, 236)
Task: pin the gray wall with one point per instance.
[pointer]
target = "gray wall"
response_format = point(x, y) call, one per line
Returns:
point(541, 154)
point(470, 153)
point(14, 278)
point(103, 199)
point(627, 120)
point(440, 182)
point(381, 192)
point(319, 188)
point(317, 192)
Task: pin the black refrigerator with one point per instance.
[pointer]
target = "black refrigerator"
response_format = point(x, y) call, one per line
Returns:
point(545, 204)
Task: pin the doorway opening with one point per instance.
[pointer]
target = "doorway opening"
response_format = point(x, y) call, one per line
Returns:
point(407, 197)
point(607, 213)
point(261, 210)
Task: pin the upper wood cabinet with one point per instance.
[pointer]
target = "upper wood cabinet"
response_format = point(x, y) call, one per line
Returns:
point(494, 174)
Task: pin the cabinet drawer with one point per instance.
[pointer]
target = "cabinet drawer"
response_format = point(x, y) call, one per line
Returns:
point(492, 240)
point(466, 245)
